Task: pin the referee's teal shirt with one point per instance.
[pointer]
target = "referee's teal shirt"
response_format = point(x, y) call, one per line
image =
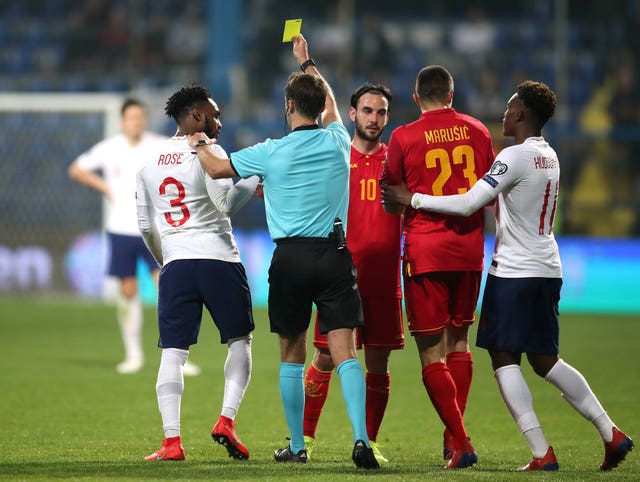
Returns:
point(306, 179)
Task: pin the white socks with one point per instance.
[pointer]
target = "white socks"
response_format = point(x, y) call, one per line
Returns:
point(577, 393)
point(169, 389)
point(517, 396)
point(237, 373)
point(130, 320)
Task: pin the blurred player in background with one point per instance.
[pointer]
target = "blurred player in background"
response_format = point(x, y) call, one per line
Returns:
point(443, 152)
point(200, 265)
point(306, 181)
point(119, 158)
point(520, 305)
point(373, 238)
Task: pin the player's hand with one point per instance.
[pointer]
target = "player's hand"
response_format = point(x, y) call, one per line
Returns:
point(198, 136)
point(300, 48)
point(396, 194)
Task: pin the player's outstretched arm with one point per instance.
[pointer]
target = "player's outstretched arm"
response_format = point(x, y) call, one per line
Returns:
point(216, 167)
point(301, 53)
point(458, 204)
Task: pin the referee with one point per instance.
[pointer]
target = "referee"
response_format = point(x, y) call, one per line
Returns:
point(306, 190)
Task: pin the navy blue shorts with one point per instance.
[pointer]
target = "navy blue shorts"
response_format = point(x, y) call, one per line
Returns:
point(306, 271)
point(187, 284)
point(520, 315)
point(124, 254)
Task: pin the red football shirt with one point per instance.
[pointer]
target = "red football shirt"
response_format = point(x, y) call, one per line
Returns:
point(442, 153)
point(373, 236)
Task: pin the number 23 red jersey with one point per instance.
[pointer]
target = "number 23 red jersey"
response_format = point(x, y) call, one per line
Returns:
point(442, 153)
point(373, 236)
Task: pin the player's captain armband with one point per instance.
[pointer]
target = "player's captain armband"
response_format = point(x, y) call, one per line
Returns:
point(489, 180)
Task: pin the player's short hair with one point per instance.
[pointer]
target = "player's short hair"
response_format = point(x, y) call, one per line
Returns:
point(539, 99)
point(188, 97)
point(307, 93)
point(434, 83)
point(369, 88)
point(128, 102)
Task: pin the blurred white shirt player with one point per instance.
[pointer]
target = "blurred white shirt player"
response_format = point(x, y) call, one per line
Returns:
point(119, 158)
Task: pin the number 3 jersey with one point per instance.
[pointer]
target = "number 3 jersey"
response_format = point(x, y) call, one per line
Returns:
point(442, 153)
point(191, 209)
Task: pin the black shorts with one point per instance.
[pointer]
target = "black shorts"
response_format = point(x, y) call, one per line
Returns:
point(520, 315)
point(312, 270)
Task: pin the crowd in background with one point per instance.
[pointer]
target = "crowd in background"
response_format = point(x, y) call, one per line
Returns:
point(587, 53)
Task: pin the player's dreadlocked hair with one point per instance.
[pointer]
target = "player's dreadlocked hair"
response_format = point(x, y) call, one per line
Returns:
point(180, 103)
point(539, 99)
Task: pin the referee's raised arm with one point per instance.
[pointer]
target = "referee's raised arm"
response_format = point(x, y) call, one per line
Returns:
point(301, 53)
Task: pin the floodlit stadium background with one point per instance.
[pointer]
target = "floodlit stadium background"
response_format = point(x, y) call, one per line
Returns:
point(51, 51)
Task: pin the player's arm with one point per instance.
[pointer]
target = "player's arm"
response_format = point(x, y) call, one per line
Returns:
point(217, 167)
point(392, 174)
point(228, 198)
point(88, 178)
point(146, 224)
point(301, 53)
point(395, 198)
point(458, 204)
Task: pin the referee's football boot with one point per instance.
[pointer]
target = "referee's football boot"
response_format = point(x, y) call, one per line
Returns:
point(548, 462)
point(309, 443)
point(171, 450)
point(286, 455)
point(363, 456)
point(224, 433)
point(377, 454)
point(616, 450)
point(464, 457)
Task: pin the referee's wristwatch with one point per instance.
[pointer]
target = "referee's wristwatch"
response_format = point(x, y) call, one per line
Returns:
point(201, 143)
point(307, 63)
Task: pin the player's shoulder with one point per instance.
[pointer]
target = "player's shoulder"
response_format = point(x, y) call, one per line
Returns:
point(153, 137)
point(473, 122)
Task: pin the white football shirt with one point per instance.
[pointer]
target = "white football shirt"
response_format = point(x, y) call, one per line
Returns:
point(191, 209)
point(119, 162)
point(525, 179)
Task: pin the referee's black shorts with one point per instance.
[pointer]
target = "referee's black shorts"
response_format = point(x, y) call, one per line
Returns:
point(312, 270)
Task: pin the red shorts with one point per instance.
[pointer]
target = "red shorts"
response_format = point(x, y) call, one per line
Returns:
point(383, 325)
point(434, 300)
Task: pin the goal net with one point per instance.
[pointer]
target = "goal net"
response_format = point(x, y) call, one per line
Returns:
point(50, 236)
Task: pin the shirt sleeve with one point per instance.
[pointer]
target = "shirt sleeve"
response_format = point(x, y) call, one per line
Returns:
point(146, 224)
point(458, 204)
point(251, 160)
point(504, 172)
point(94, 158)
point(228, 197)
point(340, 133)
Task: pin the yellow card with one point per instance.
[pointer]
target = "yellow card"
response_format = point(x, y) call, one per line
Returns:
point(291, 29)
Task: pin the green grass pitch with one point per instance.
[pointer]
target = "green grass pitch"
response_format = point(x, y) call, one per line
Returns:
point(65, 414)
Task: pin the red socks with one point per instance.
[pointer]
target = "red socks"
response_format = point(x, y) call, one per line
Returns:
point(442, 391)
point(316, 389)
point(377, 397)
point(460, 365)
